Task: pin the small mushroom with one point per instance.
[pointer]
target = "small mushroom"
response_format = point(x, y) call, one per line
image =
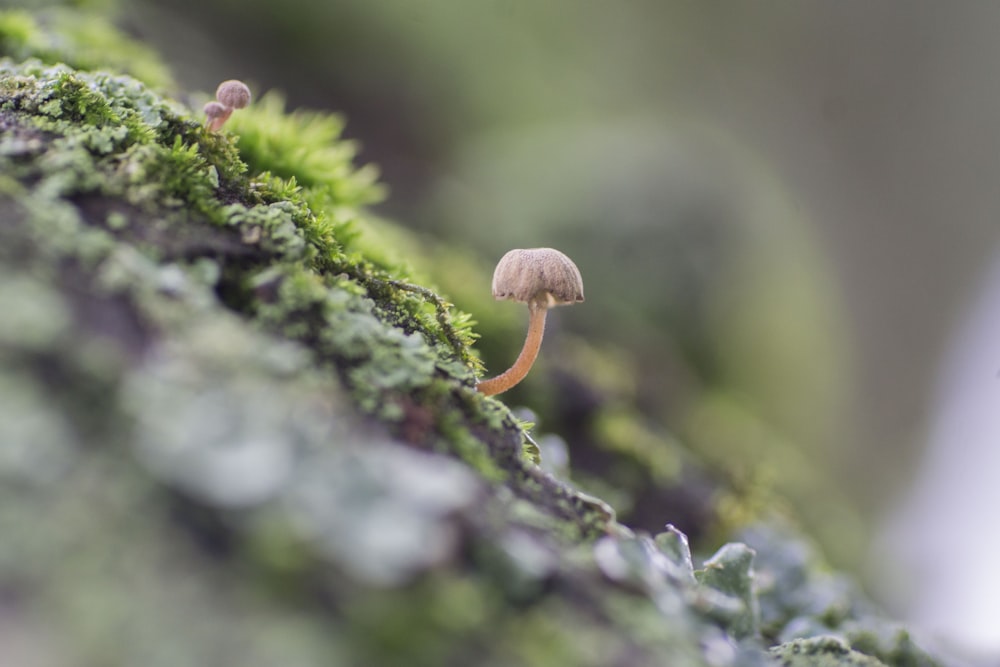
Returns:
point(217, 115)
point(542, 278)
point(230, 95)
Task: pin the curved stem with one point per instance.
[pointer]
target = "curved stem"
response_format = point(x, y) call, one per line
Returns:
point(516, 373)
point(215, 124)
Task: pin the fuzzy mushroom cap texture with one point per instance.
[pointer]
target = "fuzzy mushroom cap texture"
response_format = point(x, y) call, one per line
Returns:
point(233, 94)
point(541, 275)
point(214, 109)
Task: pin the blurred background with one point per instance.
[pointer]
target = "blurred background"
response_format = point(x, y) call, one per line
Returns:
point(784, 213)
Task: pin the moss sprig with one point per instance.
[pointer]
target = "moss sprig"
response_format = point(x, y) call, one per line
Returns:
point(80, 40)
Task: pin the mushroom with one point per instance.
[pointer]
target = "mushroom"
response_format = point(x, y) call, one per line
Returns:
point(542, 278)
point(231, 94)
point(217, 114)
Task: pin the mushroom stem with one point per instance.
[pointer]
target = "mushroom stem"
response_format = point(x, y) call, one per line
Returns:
point(215, 123)
point(533, 343)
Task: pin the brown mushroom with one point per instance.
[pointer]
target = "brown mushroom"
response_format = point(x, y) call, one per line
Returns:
point(542, 278)
point(230, 95)
point(216, 114)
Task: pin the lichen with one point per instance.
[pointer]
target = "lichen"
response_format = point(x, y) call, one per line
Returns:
point(821, 652)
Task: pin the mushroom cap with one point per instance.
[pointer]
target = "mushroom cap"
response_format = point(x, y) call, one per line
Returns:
point(233, 94)
point(214, 109)
point(543, 276)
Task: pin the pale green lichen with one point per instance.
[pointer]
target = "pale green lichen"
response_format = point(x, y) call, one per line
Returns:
point(821, 652)
point(730, 572)
point(800, 597)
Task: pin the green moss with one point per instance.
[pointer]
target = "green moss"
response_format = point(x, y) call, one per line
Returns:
point(304, 146)
point(469, 448)
point(79, 39)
